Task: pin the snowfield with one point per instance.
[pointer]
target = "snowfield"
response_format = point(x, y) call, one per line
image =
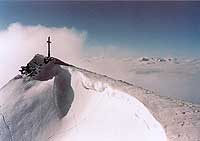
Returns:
point(100, 112)
point(63, 102)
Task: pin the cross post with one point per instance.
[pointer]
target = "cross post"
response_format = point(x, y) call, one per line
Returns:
point(48, 42)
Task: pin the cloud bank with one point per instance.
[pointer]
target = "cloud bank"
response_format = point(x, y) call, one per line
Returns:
point(19, 43)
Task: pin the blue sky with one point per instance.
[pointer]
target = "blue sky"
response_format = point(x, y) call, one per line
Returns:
point(157, 28)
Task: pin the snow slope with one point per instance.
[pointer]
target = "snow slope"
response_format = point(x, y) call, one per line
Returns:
point(63, 102)
point(100, 112)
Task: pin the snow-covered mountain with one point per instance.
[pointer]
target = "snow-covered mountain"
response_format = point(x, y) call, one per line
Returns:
point(156, 60)
point(57, 101)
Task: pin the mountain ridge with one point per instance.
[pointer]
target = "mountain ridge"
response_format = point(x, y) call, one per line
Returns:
point(179, 125)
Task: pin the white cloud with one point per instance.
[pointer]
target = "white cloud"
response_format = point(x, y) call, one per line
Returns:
point(19, 43)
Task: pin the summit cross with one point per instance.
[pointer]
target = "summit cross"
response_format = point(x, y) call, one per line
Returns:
point(49, 43)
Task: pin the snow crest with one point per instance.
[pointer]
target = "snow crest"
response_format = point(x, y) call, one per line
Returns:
point(100, 112)
point(36, 110)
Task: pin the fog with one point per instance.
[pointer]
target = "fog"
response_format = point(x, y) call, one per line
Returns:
point(19, 43)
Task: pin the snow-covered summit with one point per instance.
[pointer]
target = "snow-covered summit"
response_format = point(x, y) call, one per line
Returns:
point(62, 102)
point(154, 60)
